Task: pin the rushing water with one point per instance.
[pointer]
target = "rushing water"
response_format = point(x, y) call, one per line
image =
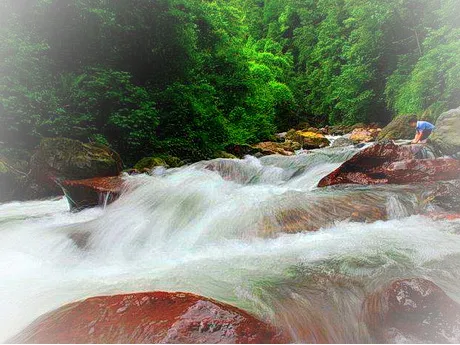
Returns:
point(229, 230)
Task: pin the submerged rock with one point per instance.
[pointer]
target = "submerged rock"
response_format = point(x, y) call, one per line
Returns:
point(398, 129)
point(93, 192)
point(155, 317)
point(412, 311)
point(446, 137)
point(387, 162)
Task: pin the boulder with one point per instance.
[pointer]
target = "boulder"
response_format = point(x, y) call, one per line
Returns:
point(422, 170)
point(342, 142)
point(15, 181)
point(286, 148)
point(364, 135)
point(66, 159)
point(12, 180)
point(387, 162)
point(398, 129)
point(308, 139)
point(148, 163)
point(224, 155)
point(412, 311)
point(446, 136)
point(93, 192)
point(241, 150)
point(153, 317)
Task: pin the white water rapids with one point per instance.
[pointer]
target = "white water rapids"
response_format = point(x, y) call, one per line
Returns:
point(214, 228)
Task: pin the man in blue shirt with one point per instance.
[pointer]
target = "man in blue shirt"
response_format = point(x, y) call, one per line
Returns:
point(423, 130)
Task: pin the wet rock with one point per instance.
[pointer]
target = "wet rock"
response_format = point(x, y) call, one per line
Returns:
point(443, 216)
point(386, 162)
point(446, 136)
point(224, 155)
point(422, 170)
point(149, 163)
point(447, 196)
point(88, 193)
point(286, 148)
point(398, 129)
point(242, 150)
point(412, 311)
point(66, 159)
point(364, 135)
point(308, 139)
point(342, 142)
point(156, 317)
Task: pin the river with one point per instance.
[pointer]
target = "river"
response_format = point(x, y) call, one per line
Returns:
point(230, 230)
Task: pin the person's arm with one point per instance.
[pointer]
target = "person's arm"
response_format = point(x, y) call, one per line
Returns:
point(417, 138)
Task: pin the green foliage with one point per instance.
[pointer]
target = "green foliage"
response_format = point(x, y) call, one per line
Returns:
point(188, 78)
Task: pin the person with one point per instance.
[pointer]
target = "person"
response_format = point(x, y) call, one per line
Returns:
point(423, 130)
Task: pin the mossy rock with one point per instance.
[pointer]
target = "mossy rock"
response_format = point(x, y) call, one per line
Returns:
point(398, 129)
point(446, 136)
point(13, 182)
point(149, 163)
point(225, 155)
point(72, 160)
point(308, 139)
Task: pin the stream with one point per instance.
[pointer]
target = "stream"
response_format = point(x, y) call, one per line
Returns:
point(235, 231)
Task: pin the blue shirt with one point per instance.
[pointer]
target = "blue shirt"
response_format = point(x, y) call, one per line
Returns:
point(424, 125)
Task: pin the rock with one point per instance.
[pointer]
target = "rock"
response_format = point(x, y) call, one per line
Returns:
point(412, 311)
point(149, 163)
point(241, 150)
point(154, 317)
point(88, 193)
point(398, 129)
point(422, 170)
point(447, 196)
point(387, 162)
point(339, 130)
point(280, 137)
point(308, 139)
point(364, 135)
point(12, 180)
point(224, 155)
point(443, 216)
point(15, 181)
point(342, 142)
point(446, 136)
point(286, 149)
point(67, 159)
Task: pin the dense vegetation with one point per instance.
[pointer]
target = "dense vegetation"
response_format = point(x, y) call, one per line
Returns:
point(187, 77)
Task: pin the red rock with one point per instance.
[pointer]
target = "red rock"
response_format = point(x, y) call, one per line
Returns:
point(422, 170)
point(412, 310)
point(443, 216)
point(92, 192)
point(388, 163)
point(155, 317)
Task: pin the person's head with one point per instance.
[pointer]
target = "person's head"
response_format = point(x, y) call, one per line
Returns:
point(412, 121)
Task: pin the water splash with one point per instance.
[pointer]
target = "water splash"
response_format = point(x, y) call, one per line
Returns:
point(236, 231)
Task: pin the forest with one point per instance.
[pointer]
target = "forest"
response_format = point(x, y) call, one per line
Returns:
point(188, 78)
